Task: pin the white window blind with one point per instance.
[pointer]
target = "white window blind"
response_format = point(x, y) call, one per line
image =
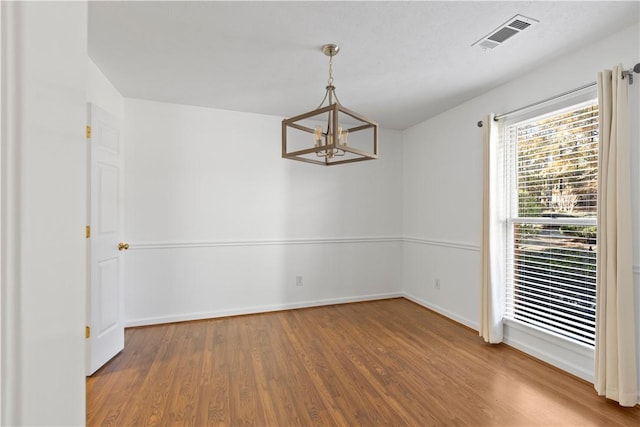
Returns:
point(552, 164)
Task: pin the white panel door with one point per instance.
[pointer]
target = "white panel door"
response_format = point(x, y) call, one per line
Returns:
point(105, 305)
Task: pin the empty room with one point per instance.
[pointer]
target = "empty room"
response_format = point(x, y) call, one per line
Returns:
point(318, 213)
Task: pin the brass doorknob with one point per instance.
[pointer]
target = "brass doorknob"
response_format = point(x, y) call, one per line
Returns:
point(123, 246)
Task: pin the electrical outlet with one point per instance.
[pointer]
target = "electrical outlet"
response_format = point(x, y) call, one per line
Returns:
point(437, 284)
point(299, 281)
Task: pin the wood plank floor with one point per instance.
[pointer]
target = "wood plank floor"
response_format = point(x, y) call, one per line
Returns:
point(388, 362)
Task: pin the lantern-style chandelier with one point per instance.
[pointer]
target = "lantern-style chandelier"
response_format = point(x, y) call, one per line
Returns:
point(331, 134)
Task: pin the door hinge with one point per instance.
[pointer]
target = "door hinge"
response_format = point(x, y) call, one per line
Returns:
point(87, 231)
point(88, 131)
point(87, 332)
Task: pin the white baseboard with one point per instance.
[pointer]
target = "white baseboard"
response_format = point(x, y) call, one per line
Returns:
point(537, 343)
point(440, 310)
point(522, 346)
point(549, 358)
point(535, 352)
point(255, 309)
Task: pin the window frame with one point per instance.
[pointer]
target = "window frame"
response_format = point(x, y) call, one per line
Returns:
point(510, 212)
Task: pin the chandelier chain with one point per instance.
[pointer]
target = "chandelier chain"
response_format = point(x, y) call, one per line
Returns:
point(330, 80)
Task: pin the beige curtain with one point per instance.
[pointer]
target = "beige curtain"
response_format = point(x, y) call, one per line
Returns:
point(491, 249)
point(615, 352)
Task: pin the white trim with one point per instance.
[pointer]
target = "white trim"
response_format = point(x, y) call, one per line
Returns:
point(573, 369)
point(554, 221)
point(443, 243)
point(311, 241)
point(442, 311)
point(274, 242)
point(556, 339)
point(556, 105)
point(12, 83)
point(256, 309)
point(636, 269)
point(561, 363)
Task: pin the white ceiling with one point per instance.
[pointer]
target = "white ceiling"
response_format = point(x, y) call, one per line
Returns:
point(400, 62)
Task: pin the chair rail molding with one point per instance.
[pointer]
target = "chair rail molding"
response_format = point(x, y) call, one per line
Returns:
point(443, 243)
point(142, 245)
point(266, 242)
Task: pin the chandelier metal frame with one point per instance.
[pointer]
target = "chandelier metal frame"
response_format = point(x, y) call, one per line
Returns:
point(330, 144)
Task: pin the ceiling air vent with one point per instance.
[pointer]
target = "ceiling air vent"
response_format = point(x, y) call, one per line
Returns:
point(504, 32)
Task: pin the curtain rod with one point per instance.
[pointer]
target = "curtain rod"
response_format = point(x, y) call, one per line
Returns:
point(626, 73)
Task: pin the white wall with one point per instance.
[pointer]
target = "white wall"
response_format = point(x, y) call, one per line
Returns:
point(43, 212)
point(220, 224)
point(442, 192)
point(102, 93)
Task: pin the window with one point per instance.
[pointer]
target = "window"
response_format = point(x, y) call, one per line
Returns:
point(552, 173)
